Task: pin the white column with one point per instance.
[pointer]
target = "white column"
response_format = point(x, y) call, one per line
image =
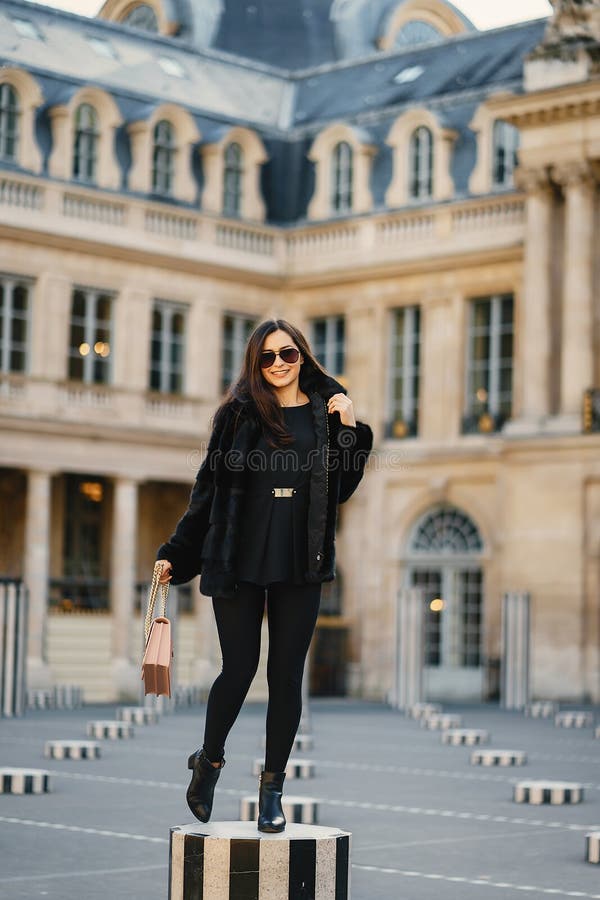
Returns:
point(410, 648)
point(126, 672)
point(36, 572)
point(515, 661)
point(534, 341)
point(577, 362)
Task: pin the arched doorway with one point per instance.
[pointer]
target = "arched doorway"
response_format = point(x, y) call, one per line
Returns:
point(444, 555)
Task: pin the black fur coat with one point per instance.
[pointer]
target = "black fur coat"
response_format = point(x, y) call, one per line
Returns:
point(205, 538)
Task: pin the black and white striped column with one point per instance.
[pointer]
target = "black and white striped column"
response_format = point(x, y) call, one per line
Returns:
point(24, 781)
point(514, 680)
point(410, 648)
point(235, 861)
point(13, 644)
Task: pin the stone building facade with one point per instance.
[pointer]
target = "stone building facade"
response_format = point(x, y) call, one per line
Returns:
point(421, 198)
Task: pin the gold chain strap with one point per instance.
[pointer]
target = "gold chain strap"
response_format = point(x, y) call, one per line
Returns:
point(152, 600)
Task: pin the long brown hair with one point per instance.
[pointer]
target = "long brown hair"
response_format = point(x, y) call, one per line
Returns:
point(250, 384)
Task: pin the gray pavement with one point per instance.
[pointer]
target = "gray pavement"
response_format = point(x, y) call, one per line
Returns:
point(424, 822)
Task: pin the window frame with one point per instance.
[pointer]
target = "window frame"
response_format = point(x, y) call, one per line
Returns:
point(164, 159)
point(488, 415)
point(9, 283)
point(409, 402)
point(89, 323)
point(86, 145)
point(342, 178)
point(168, 309)
point(8, 108)
point(505, 142)
point(331, 343)
point(243, 325)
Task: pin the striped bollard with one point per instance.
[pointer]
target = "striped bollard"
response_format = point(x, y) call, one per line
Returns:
point(24, 781)
point(424, 710)
point(298, 810)
point(556, 793)
point(72, 750)
point(112, 731)
point(13, 647)
point(234, 860)
point(67, 696)
point(40, 698)
point(498, 758)
point(574, 719)
point(592, 847)
point(466, 737)
point(515, 655)
point(296, 768)
point(137, 715)
point(441, 721)
point(541, 709)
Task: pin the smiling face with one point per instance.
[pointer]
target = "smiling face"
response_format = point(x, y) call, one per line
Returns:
point(281, 373)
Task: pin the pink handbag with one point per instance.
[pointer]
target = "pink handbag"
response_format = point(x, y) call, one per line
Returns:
point(158, 654)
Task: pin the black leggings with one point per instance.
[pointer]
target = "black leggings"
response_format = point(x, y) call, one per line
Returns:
point(292, 611)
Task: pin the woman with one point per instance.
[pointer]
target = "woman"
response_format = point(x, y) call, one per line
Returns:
point(285, 449)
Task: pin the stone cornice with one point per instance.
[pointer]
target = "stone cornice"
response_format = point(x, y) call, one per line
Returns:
point(574, 101)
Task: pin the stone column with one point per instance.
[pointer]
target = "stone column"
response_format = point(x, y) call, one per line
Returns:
point(577, 327)
point(36, 572)
point(126, 673)
point(535, 338)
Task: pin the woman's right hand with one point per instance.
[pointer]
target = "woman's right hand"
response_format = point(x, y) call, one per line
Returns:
point(166, 573)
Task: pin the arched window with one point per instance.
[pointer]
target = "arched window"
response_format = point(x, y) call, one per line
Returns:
point(505, 145)
point(421, 163)
point(9, 123)
point(85, 151)
point(416, 32)
point(163, 158)
point(342, 177)
point(446, 531)
point(232, 180)
point(142, 17)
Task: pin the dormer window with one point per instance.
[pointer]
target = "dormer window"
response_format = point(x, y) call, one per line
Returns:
point(163, 159)
point(342, 164)
point(141, 16)
point(421, 163)
point(505, 146)
point(232, 180)
point(85, 150)
point(9, 123)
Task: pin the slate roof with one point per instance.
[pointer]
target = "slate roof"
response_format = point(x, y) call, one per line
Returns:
point(287, 108)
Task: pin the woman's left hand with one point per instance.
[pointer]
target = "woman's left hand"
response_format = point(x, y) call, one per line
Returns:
point(343, 404)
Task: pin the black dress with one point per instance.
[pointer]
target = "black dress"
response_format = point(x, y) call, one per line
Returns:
point(274, 540)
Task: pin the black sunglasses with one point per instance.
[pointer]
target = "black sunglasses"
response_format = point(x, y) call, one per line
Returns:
point(288, 355)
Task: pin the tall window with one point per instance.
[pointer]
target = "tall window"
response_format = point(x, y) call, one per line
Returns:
point(90, 344)
point(167, 346)
point(421, 164)
point(142, 17)
point(236, 331)
point(342, 177)
point(404, 372)
point(505, 146)
point(328, 335)
point(163, 158)
point(85, 151)
point(9, 123)
point(489, 363)
point(233, 180)
point(14, 324)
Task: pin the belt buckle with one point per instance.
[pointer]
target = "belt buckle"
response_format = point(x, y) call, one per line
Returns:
point(284, 491)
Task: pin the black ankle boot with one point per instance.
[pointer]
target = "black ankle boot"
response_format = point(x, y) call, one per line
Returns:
point(270, 813)
point(202, 786)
